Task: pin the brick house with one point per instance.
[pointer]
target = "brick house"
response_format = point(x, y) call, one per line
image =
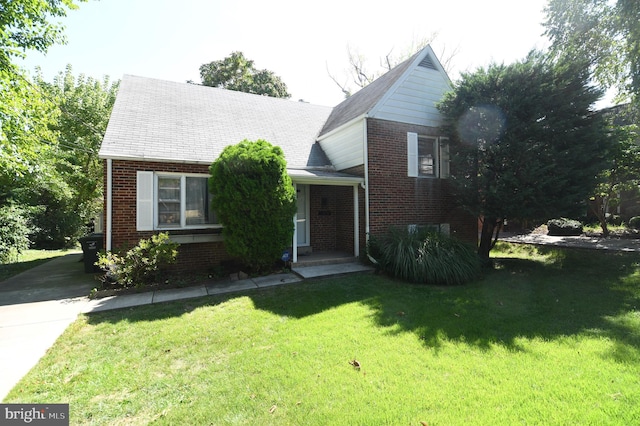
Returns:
point(376, 160)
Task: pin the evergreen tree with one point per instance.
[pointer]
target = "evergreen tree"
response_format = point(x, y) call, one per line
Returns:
point(529, 145)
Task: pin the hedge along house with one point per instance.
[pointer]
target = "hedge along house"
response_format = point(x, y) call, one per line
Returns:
point(376, 160)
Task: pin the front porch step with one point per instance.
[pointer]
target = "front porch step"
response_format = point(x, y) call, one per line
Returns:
point(318, 259)
point(332, 270)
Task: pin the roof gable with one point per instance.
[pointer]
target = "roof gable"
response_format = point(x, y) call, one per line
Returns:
point(158, 120)
point(372, 99)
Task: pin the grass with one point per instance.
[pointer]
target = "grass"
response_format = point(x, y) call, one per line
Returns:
point(27, 260)
point(549, 337)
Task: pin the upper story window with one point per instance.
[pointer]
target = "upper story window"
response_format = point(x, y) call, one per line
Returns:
point(428, 156)
point(173, 201)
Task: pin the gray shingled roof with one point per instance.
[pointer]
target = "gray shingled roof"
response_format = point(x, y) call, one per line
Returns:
point(366, 98)
point(167, 121)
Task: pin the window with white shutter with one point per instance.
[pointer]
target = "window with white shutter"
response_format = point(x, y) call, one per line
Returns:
point(144, 201)
point(173, 201)
point(412, 154)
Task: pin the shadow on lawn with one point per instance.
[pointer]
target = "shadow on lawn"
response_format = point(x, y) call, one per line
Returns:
point(574, 293)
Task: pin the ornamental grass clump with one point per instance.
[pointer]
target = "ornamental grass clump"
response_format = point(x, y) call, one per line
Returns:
point(425, 257)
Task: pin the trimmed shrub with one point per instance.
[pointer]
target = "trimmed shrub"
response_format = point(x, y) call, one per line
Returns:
point(564, 227)
point(425, 257)
point(634, 222)
point(254, 198)
point(14, 233)
point(142, 265)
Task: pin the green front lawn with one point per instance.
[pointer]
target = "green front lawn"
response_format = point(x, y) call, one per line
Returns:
point(549, 337)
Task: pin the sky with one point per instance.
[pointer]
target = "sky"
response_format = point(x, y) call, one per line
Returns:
point(301, 42)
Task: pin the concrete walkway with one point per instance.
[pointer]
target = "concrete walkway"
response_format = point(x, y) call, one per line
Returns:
point(37, 306)
point(584, 242)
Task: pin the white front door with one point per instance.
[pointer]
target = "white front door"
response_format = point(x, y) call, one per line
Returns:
point(302, 218)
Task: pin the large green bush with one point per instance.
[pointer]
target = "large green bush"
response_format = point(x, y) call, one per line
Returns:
point(255, 201)
point(142, 265)
point(425, 257)
point(14, 233)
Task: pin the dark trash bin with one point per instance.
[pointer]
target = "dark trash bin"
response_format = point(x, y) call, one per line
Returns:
point(91, 245)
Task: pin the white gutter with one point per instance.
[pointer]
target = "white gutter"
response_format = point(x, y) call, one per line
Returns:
point(141, 157)
point(109, 203)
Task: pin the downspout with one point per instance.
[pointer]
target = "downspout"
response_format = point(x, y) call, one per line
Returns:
point(109, 204)
point(365, 148)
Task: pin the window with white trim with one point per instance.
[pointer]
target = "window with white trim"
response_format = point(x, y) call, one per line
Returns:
point(428, 156)
point(173, 201)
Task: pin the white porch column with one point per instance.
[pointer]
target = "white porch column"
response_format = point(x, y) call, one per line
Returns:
point(294, 245)
point(356, 223)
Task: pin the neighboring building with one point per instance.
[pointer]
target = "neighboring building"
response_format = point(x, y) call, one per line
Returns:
point(375, 161)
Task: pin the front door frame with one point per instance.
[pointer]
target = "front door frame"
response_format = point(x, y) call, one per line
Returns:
point(307, 215)
point(354, 183)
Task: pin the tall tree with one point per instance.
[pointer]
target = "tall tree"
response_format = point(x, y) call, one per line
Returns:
point(623, 174)
point(605, 33)
point(25, 140)
point(85, 105)
point(24, 25)
point(529, 145)
point(238, 73)
point(28, 145)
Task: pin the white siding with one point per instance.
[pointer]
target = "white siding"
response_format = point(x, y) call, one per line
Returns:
point(344, 148)
point(414, 101)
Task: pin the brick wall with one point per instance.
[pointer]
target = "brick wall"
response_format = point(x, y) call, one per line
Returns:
point(323, 217)
point(191, 256)
point(398, 200)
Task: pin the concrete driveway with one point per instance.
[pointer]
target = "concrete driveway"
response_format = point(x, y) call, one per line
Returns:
point(36, 306)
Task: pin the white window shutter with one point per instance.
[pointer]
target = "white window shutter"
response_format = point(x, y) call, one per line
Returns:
point(412, 154)
point(445, 159)
point(144, 201)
